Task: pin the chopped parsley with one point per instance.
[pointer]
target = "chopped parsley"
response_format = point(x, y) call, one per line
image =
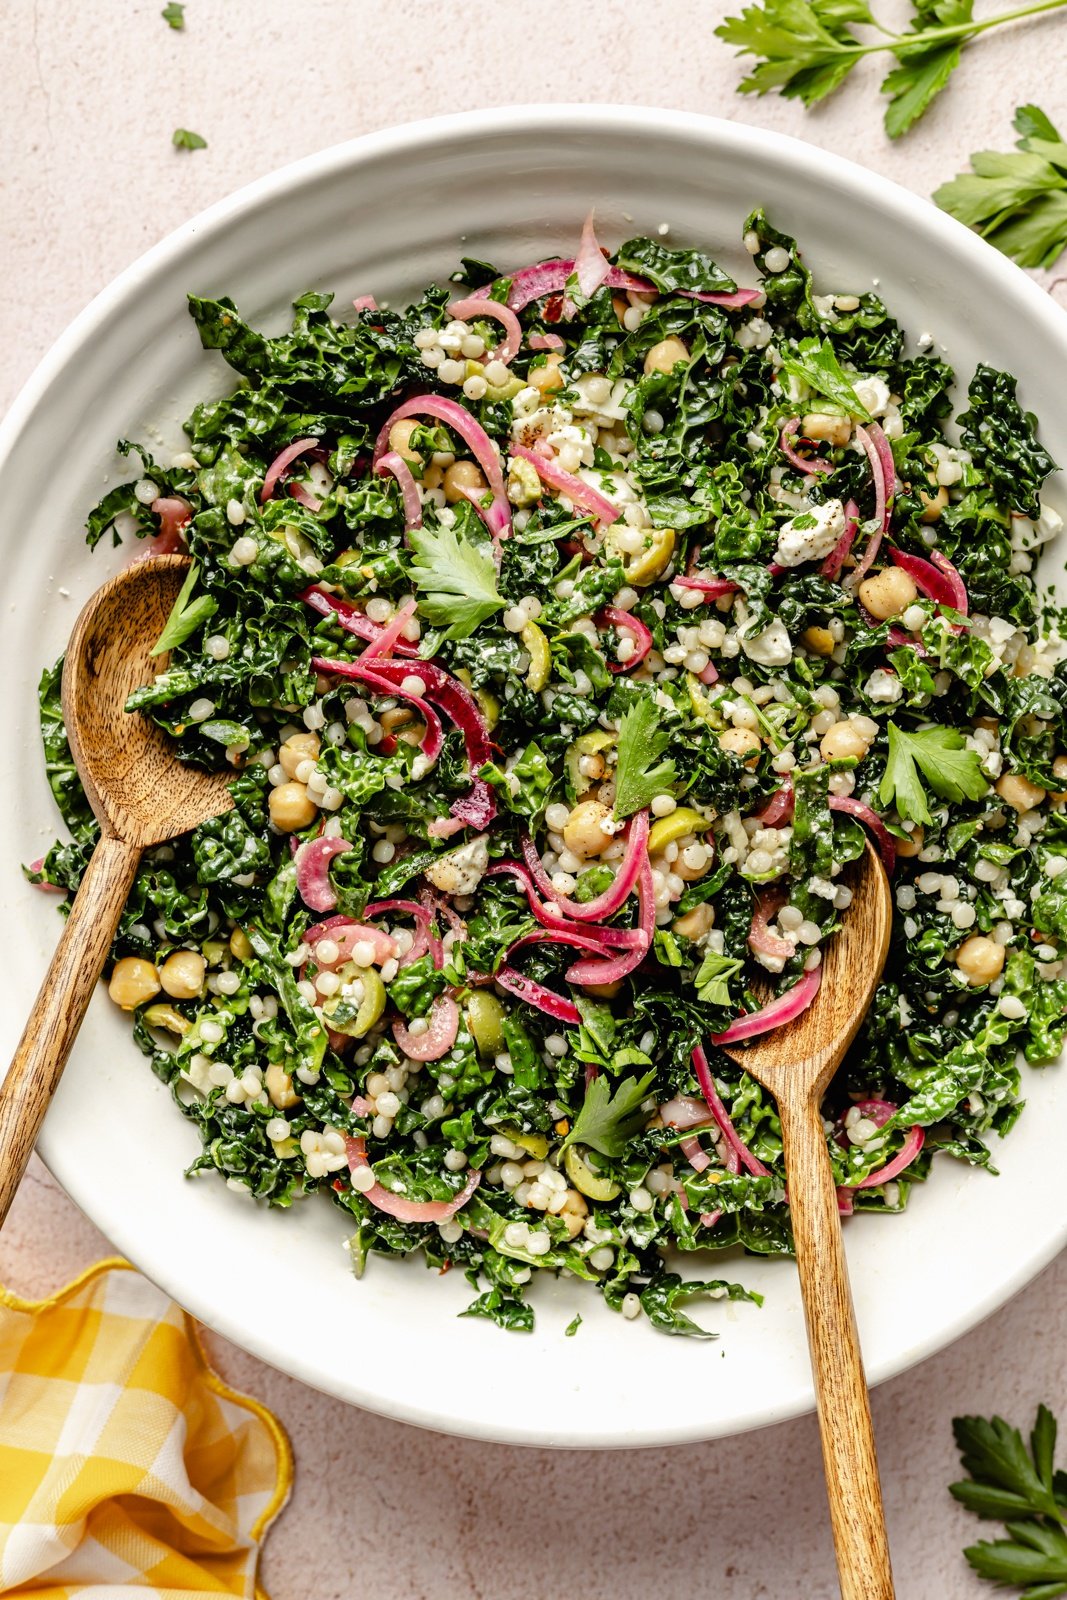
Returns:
point(184, 139)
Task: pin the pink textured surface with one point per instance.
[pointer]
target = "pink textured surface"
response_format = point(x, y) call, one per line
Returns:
point(91, 95)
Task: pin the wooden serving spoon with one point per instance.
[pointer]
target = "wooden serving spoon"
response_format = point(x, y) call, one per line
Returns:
point(795, 1064)
point(141, 795)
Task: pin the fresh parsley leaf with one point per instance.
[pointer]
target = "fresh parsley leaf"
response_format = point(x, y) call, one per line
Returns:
point(640, 774)
point(951, 770)
point(807, 46)
point(805, 49)
point(572, 1327)
point(1017, 200)
point(184, 139)
point(712, 981)
point(816, 364)
point(455, 578)
point(1007, 1481)
point(607, 1122)
point(186, 615)
point(174, 15)
point(1002, 439)
point(912, 85)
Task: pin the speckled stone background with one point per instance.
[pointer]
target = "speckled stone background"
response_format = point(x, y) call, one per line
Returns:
point(90, 93)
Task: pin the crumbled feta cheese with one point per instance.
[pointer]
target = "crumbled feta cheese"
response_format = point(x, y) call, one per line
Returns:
point(771, 648)
point(460, 871)
point(1049, 524)
point(884, 688)
point(818, 531)
point(754, 334)
point(872, 394)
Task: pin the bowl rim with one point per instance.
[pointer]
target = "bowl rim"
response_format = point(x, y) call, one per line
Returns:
point(730, 138)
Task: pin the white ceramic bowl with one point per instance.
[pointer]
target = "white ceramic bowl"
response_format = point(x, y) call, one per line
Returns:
point(384, 215)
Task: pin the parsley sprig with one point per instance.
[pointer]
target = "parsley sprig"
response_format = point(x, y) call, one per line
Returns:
point(1016, 199)
point(1022, 1488)
point(817, 365)
point(455, 578)
point(951, 770)
point(640, 774)
point(607, 1122)
point(807, 48)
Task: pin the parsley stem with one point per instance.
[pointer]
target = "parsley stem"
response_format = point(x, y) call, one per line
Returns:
point(957, 30)
point(970, 28)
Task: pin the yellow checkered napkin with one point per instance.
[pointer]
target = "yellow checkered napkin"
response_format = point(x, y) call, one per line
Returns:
point(126, 1466)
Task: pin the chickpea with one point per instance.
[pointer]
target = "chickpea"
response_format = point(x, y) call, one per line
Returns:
point(933, 504)
point(574, 1213)
point(279, 1086)
point(843, 742)
point(584, 833)
point(461, 476)
point(914, 842)
point(132, 982)
point(820, 641)
point(299, 747)
point(1059, 768)
point(821, 425)
point(743, 743)
point(696, 923)
point(240, 947)
point(620, 305)
point(400, 439)
point(1019, 792)
point(433, 477)
point(404, 723)
point(182, 974)
point(547, 378)
point(604, 991)
point(665, 356)
point(888, 593)
point(980, 960)
point(291, 808)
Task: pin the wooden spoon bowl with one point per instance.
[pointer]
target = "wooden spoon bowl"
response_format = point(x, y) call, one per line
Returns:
point(141, 795)
point(795, 1064)
point(137, 787)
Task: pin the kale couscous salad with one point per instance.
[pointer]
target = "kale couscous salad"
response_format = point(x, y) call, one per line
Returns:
point(567, 633)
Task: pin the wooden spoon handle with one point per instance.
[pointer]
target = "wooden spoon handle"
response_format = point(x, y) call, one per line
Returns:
point(849, 1459)
point(42, 1052)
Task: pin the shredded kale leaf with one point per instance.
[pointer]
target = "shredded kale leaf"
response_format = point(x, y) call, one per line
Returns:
point(375, 885)
point(1003, 441)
